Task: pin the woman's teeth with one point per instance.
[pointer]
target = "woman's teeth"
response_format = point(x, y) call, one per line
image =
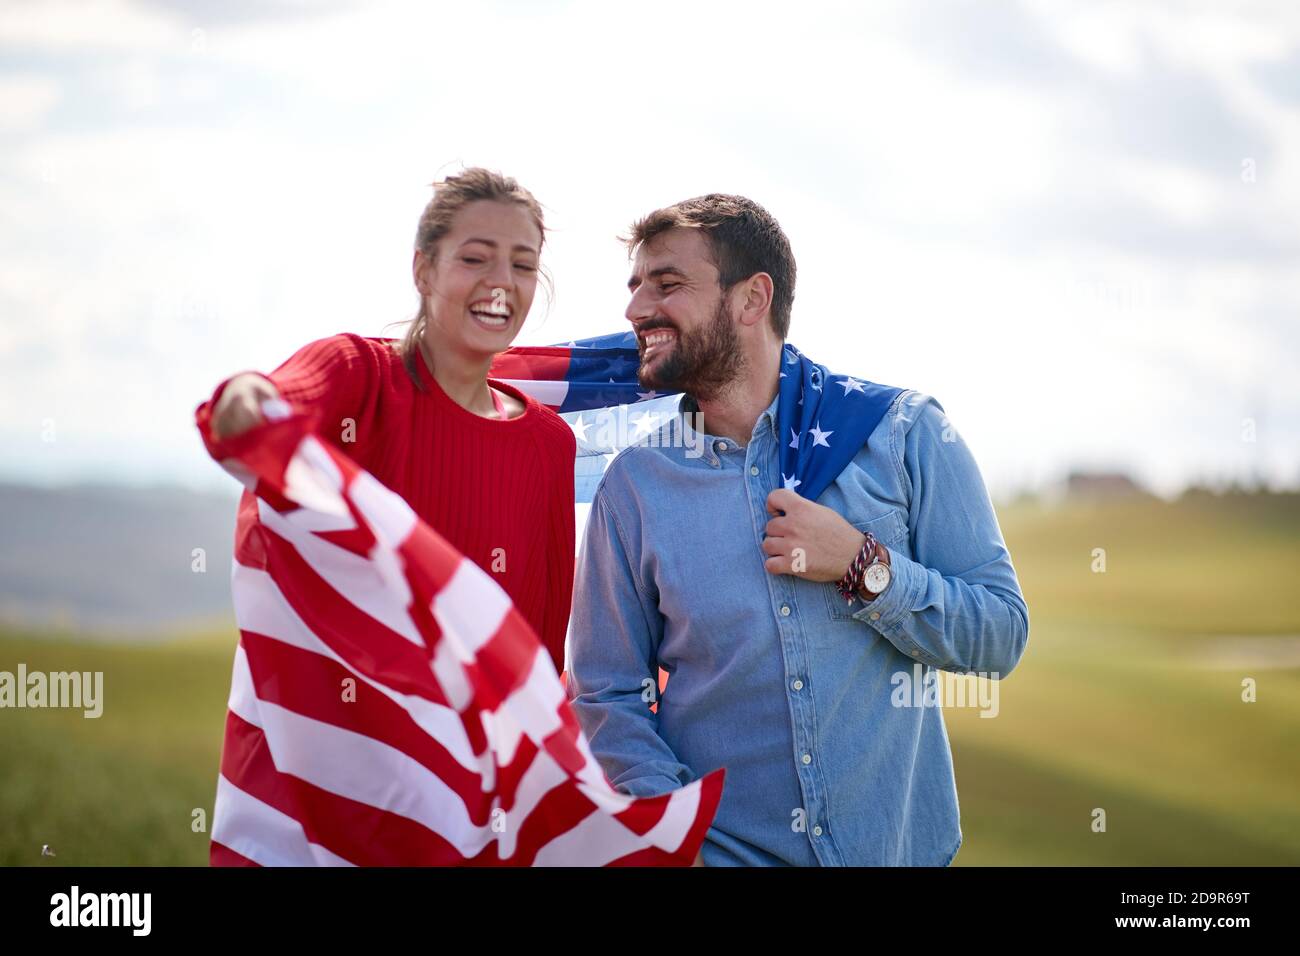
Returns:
point(491, 318)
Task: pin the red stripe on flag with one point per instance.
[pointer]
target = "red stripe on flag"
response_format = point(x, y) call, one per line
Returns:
point(367, 645)
point(357, 832)
point(547, 364)
point(316, 691)
point(221, 855)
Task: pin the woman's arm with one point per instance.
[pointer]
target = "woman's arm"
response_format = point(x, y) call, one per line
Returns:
point(331, 377)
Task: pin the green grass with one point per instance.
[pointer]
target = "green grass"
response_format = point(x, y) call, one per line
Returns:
point(1108, 709)
point(120, 788)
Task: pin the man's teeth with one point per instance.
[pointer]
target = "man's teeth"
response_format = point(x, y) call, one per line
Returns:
point(658, 338)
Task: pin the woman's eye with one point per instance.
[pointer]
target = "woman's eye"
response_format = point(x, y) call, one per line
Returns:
point(471, 260)
point(525, 266)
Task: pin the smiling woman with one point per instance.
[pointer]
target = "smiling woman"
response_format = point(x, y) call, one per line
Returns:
point(488, 467)
point(476, 267)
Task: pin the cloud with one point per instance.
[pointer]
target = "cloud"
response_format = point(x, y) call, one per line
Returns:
point(1036, 207)
point(26, 101)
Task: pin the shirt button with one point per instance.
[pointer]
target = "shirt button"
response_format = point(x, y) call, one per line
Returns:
point(875, 615)
point(721, 446)
point(785, 610)
point(753, 470)
point(817, 831)
point(797, 685)
point(807, 759)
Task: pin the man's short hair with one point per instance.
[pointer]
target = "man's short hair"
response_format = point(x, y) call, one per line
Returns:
point(744, 240)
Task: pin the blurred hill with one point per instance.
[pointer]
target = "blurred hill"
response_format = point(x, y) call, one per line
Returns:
point(1128, 699)
point(111, 561)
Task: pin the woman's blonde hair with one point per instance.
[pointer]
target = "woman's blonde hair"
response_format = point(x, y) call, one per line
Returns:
point(450, 196)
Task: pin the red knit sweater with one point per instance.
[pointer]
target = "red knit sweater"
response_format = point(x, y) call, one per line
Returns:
point(501, 491)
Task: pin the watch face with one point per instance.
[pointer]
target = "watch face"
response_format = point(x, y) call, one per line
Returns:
point(876, 578)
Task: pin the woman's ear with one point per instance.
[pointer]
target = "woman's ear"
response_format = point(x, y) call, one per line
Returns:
point(419, 271)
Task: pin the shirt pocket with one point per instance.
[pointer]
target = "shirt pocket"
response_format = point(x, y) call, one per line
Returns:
point(890, 530)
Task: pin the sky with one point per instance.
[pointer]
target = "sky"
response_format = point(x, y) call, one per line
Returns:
point(1076, 225)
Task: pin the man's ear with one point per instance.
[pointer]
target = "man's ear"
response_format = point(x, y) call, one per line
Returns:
point(755, 298)
point(419, 272)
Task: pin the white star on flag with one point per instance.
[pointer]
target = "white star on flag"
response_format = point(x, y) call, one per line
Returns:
point(851, 384)
point(646, 396)
point(819, 436)
point(645, 423)
point(794, 442)
point(580, 428)
point(792, 482)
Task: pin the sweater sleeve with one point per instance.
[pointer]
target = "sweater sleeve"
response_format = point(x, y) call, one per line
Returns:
point(332, 377)
point(561, 552)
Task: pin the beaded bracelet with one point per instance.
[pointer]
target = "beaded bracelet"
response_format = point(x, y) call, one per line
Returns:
point(851, 583)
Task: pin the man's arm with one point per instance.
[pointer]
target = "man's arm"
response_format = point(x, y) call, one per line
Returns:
point(956, 604)
point(613, 663)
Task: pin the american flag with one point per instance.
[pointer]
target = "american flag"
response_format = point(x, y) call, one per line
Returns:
point(592, 383)
point(824, 419)
point(388, 705)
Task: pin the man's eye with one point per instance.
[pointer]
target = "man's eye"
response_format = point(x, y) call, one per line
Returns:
point(669, 286)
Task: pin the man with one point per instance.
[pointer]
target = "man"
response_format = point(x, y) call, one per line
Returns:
point(782, 622)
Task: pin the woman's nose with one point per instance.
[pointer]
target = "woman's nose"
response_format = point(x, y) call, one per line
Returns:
point(503, 275)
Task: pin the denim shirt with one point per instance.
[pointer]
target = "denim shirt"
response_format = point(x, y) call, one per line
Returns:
point(775, 677)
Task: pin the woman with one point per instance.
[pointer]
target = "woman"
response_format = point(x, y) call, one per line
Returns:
point(486, 466)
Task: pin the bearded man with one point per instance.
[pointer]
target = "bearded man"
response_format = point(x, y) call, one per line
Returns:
point(833, 538)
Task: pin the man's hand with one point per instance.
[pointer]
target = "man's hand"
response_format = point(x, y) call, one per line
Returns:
point(809, 540)
point(240, 406)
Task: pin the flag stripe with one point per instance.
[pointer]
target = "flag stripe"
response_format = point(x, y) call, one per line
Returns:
point(265, 611)
point(261, 833)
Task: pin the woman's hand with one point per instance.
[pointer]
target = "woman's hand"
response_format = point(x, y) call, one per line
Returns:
point(240, 406)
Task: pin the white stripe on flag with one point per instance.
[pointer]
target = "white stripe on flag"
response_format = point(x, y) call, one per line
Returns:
point(353, 576)
point(597, 840)
point(677, 820)
point(469, 609)
point(369, 771)
point(260, 607)
point(261, 833)
point(546, 391)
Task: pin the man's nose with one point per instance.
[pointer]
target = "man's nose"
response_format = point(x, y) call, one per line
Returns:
point(639, 307)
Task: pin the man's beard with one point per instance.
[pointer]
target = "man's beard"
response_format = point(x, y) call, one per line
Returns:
point(701, 363)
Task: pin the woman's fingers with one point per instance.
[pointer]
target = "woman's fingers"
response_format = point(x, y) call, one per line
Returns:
point(240, 407)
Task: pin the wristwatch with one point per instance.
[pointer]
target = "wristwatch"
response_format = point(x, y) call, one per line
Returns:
point(868, 574)
point(877, 574)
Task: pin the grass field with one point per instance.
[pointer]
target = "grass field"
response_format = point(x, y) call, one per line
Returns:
point(1128, 699)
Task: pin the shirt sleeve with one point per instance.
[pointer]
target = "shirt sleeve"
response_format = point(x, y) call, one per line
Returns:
point(333, 378)
point(956, 604)
point(613, 664)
